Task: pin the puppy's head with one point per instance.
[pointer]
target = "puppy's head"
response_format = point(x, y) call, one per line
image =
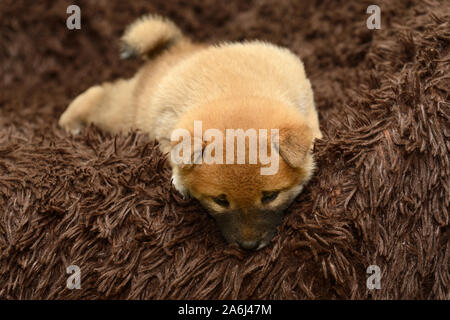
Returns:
point(246, 204)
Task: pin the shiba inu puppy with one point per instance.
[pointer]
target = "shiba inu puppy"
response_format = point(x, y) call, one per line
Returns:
point(249, 86)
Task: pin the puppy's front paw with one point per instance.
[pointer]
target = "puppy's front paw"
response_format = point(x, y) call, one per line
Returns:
point(176, 181)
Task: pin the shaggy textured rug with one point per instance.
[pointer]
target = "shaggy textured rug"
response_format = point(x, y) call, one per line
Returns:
point(105, 203)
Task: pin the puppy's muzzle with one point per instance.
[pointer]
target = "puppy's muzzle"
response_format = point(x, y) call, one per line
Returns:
point(250, 235)
point(249, 245)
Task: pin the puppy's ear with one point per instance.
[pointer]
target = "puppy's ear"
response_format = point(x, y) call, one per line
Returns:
point(295, 140)
point(193, 146)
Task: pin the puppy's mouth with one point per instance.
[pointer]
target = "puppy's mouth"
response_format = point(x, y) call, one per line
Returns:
point(253, 245)
point(248, 235)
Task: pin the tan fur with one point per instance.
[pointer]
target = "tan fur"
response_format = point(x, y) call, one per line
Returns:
point(228, 86)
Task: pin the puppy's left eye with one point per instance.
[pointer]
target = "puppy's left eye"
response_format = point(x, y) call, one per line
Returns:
point(221, 201)
point(269, 196)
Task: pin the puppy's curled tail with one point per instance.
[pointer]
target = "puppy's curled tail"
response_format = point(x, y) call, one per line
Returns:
point(148, 36)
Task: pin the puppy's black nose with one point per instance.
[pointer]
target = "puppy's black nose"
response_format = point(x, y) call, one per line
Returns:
point(249, 245)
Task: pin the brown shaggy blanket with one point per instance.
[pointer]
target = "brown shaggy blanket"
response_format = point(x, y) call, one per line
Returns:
point(105, 203)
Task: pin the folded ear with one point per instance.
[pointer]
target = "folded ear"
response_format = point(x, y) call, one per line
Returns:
point(187, 149)
point(295, 140)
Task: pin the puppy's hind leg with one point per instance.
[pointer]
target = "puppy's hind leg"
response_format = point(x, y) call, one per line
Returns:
point(76, 117)
point(109, 106)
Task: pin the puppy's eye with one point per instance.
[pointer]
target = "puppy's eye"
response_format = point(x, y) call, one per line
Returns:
point(269, 196)
point(221, 201)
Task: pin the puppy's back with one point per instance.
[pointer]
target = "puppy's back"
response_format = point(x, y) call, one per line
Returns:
point(227, 70)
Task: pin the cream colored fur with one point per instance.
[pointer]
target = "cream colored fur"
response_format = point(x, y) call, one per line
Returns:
point(238, 85)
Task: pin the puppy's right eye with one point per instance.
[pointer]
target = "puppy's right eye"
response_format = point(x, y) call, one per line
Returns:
point(269, 196)
point(221, 201)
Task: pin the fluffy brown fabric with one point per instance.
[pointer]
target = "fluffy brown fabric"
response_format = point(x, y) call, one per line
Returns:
point(105, 203)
